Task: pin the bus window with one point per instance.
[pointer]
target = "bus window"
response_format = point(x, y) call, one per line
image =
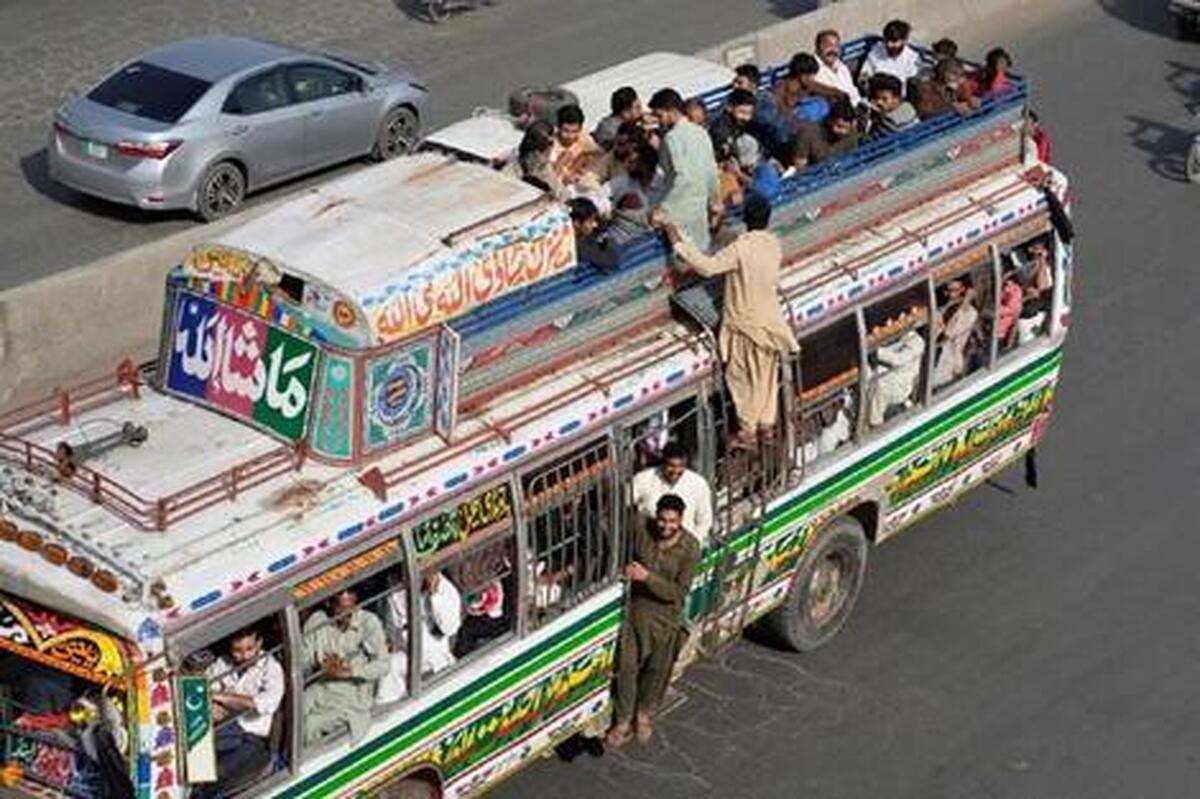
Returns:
point(1026, 289)
point(963, 325)
point(829, 391)
point(569, 507)
point(354, 653)
point(897, 342)
point(249, 705)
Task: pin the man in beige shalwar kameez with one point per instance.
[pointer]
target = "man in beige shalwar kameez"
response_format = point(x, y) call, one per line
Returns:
point(753, 330)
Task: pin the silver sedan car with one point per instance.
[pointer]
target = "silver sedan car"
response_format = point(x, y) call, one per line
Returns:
point(199, 123)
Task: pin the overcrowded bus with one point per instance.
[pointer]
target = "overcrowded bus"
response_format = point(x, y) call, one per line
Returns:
point(398, 415)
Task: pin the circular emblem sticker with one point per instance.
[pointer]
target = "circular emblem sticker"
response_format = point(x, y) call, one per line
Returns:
point(343, 314)
point(399, 394)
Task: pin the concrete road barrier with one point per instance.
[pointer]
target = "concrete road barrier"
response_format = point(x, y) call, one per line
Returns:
point(78, 325)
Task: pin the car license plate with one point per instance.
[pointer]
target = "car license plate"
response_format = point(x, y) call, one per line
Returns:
point(95, 150)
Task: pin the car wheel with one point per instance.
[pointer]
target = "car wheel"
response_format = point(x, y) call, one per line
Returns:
point(221, 192)
point(397, 134)
point(824, 588)
point(409, 789)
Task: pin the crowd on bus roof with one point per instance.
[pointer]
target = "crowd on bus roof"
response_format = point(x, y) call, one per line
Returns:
point(698, 164)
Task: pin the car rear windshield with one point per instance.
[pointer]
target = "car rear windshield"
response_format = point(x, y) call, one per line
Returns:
point(148, 91)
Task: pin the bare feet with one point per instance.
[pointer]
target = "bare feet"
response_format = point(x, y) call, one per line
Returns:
point(618, 736)
point(645, 728)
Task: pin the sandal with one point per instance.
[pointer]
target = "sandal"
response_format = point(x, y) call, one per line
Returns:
point(618, 736)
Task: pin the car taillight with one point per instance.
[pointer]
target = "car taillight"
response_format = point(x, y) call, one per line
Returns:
point(157, 150)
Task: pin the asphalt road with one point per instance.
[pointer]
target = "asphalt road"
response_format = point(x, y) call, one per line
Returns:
point(52, 48)
point(1033, 645)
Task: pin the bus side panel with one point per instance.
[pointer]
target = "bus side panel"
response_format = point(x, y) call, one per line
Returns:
point(920, 471)
point(495, 723)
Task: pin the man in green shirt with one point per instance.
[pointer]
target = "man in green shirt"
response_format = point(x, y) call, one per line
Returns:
point(689, 166)
point(660, 579)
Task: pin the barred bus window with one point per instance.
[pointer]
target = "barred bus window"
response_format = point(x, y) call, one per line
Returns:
point(963, 325)
point(572, 541)
point(897, 345)
point(246, 671)
point(829, 391)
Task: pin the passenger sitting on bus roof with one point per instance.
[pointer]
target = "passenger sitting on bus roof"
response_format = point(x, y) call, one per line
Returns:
point(994, 77)
point(1040, 139)
point(660, 578)
point(897, 375)
point(689, 168)
point(734, 121)
point(890, 112)
point(575, 152)
point(347, 649)
point(801, 99)
point(626, 108)
point(247, 690)
point(614, 161)
point(642, 176)
point(672, 476)
point(954, 323)
point(753, 329)
point(533, 163)
point(892, 55)
point(591, 245)
point(834, 137)
point(832, 71)
point(737, 172)
point(771, 172)
point(946, 93)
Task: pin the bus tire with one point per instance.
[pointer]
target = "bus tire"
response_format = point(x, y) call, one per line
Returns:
point(410, 788)
point(824, 588)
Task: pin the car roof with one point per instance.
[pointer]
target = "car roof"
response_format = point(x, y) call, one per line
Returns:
point(212, 58)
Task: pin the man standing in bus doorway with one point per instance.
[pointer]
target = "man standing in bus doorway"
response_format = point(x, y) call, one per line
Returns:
point(660, 577)
point(753, 330)
point(687, 160)
point(672, 476)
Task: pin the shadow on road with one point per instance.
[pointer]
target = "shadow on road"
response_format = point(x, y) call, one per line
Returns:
point(786, 9)
point(1166, 145)
point(1147, 15)
point(37, 174)
point(419, 9)
point(1185, 80)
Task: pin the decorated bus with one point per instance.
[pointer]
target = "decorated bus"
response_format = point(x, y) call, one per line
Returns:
point(390, 434)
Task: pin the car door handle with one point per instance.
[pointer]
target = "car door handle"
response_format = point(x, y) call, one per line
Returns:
point(238, 130)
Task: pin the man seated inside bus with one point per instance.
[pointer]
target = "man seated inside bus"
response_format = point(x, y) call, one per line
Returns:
point(954, 324)
point(485, 617)
point(247, 690)
point(345, 653)
point(1035, 273)
point(672, 476)
point(441, 608)
point(827, 427)
point(897, 373)
point(1012, 299)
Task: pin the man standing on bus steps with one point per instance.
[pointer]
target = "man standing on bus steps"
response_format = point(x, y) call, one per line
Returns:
point(660, 577)
point(753, 330)
point(672, 476)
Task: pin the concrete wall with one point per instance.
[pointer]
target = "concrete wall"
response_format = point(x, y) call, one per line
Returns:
point(931, 19)
point(77, 325)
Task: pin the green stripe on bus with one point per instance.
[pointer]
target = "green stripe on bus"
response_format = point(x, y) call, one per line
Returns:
point(405, 734)
point(868, 468)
